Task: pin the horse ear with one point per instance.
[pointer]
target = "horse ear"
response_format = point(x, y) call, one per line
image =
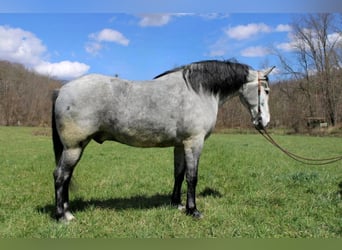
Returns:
point(267, 71)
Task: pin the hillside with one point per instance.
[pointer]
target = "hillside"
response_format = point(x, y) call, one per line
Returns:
point(25, 97)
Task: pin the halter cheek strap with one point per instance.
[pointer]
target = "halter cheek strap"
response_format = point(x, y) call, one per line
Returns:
point(257, 121)
point(259, 94)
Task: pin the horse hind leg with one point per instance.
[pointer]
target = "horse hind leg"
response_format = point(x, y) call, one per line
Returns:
point(62, 176)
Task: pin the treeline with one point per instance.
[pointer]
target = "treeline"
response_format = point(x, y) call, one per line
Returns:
point(292, 107)
point(25, 97)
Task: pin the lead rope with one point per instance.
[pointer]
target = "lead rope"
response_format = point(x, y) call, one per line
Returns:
point(304, 160)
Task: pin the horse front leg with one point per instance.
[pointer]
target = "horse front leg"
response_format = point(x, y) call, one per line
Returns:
point(193, 149)
point(179, 171)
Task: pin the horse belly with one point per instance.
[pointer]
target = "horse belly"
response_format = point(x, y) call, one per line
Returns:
point(142, 137)
point(144, 119)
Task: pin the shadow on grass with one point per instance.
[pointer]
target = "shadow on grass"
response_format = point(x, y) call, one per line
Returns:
point(134, 202)
point(210, 192)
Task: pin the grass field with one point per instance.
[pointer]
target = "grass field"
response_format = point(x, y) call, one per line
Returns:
point(246, 189)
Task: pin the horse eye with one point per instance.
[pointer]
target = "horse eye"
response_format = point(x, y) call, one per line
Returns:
point(267, 91)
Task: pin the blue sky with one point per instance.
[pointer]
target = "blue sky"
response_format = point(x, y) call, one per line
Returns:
point(170, 6)
point(65, 39)
point(139, 46)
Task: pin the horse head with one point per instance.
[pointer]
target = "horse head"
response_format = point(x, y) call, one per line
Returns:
point(255, 94)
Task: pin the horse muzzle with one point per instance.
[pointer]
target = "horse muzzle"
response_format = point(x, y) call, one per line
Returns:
point(260, 123)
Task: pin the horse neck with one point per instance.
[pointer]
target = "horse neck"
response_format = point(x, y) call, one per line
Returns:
point(223, 99)
point(224, 96)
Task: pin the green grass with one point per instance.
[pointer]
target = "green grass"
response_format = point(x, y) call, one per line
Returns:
point(246, 189)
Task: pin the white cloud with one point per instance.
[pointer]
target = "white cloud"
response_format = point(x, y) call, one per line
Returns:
point(335, 38)
point(63, 70)
point(283, 28)
point(20, 46)
point(255, 51)
point(158, 20)
point(241, 38)
point(154, 20)
point(242, 32)
point(93, 47)
point(294, 43)
point(109, 35)
point(214, 15)
point(95, 44)
point(287, 46)
point(24, 47)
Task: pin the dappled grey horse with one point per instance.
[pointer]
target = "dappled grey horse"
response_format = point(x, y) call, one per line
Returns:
point(176, 109)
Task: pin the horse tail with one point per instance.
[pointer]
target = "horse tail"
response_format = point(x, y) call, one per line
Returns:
point(57, 143)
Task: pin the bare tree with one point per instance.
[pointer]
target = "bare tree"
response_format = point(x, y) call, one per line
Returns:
point(317, 44)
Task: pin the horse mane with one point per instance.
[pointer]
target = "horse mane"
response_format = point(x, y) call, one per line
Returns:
point(213, 76)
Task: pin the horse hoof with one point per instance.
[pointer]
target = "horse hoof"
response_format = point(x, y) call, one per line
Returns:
point(66, 218)
point(195, 214)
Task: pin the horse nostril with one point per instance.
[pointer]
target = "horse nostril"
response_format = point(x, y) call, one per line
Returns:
point(259, 125)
